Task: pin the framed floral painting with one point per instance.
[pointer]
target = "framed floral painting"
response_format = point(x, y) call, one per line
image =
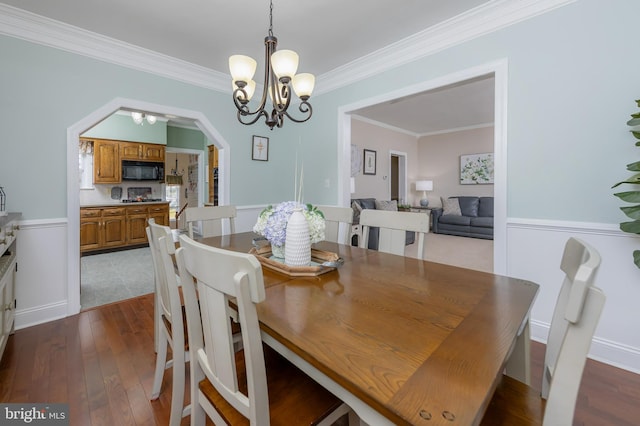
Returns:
point(476, 169)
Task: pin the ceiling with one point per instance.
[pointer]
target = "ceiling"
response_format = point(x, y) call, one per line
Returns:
point(326, 34)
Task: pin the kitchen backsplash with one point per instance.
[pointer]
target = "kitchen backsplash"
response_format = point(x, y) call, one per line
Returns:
point(101, 194)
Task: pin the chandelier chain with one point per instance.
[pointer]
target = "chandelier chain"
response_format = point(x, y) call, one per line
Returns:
point(271, 18)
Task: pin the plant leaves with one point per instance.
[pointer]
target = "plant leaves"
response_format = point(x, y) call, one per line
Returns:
point(631, 227)
point(635, 179)
point(636, 115)
point(632, 211)
point(636, 257)
point(638, 102)
point(636, 134)
point(633, 122)
point(634, 167)
point(629, 196)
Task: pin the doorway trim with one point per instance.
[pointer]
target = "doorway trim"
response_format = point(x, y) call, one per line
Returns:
point(402, 173)
point(73, 187)
point(499, 69)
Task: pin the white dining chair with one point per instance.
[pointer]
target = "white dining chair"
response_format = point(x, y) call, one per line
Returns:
point(170, 321)
point(335, 218)
point(393, 227)
point(209, 220)
point(575, 318)
point(254, 385)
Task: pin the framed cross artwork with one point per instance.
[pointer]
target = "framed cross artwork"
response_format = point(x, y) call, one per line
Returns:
point(260, 148)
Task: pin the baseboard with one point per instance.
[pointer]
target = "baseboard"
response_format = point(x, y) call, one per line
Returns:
point(41, 314)
point(602, 350)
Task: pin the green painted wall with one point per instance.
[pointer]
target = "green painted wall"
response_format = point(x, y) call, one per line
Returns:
point(178, 137)
point(572, 84)
point(123, 128)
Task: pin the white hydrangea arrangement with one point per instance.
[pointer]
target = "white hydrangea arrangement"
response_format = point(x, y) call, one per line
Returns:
point(272, 222)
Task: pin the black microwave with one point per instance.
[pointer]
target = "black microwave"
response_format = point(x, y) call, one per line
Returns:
point(142, 170)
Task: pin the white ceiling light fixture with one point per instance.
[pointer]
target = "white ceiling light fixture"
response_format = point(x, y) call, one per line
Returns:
point(279, 79)
point(140, 117)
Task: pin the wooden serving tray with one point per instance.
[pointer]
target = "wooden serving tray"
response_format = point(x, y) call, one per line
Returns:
point(318, 257)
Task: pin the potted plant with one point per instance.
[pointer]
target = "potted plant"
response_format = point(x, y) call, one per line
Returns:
point(632, 196)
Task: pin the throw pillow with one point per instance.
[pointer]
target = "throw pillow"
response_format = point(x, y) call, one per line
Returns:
point(451, 206)
point(387, 205)
point(356, 212)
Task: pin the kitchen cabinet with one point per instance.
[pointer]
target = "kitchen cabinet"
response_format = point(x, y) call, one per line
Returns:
point(159, 212)
point(8, 271)
point(106, 161)
point(142, 151)
point(102, 228)
point(137, 224)
point(105, 227)
point(108, 156)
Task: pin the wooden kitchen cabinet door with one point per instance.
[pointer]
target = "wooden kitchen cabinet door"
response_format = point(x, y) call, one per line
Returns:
point(137, 224)
point(114, 231)
point(106, 162)
point(90, 227)
point(130, 151)
point(160, 213)
point(153, 152)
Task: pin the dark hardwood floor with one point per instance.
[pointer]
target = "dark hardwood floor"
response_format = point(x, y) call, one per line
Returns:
point(101, 363)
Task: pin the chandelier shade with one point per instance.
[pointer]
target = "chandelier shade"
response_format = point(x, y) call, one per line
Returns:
point(279, 85)
point(139, 117)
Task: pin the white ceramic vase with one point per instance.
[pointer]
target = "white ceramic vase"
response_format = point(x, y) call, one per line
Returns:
point(297, 246)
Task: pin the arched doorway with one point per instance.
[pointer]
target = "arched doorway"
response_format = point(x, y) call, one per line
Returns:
point(73, 199)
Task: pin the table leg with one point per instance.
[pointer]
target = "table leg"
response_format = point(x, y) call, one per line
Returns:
point(519, 363)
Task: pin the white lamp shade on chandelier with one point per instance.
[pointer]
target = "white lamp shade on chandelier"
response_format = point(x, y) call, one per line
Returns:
point(424, 186)
point(139, 117)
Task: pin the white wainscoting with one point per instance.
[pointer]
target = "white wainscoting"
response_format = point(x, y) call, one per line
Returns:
point(534, 249)
point(41, 281)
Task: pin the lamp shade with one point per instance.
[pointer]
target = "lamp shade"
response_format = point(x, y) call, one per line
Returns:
point(424, 185)
point(284, 63)
point(303, 84)
point(242, 67)
point(250, 88)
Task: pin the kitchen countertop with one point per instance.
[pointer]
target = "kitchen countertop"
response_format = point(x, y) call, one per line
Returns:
point(120, 203)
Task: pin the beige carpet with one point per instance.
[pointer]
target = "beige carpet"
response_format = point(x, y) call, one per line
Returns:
point(471, 253)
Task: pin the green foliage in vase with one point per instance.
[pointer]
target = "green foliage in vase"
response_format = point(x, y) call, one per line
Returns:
point(633, 212)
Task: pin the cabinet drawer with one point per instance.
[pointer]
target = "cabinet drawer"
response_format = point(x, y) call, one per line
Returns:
point(137, 210)
point(113, 211)
point(90, 213)
point(158, 209)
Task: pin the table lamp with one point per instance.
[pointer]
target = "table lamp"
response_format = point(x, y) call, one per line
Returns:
point(424, 186)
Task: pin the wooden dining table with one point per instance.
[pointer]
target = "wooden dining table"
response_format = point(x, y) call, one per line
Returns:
point(402, 341)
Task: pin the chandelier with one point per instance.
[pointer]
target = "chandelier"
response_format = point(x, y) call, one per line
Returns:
point(279, 79)
point(139, 117)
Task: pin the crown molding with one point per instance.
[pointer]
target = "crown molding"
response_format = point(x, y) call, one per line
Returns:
point(384, 125)
point(482, 20)
point(476, 22)
point(34, 28)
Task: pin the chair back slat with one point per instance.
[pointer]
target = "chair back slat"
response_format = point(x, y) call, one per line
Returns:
point(337, 219)
point(393, 227)
point(580, 263)
point(154, 233)
point(209, 220)
point(220, 276)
